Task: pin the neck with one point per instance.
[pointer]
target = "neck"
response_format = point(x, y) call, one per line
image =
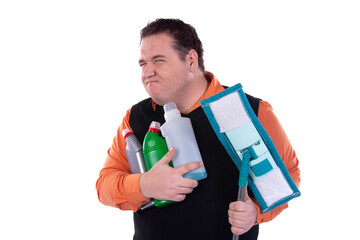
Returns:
point(193, 94)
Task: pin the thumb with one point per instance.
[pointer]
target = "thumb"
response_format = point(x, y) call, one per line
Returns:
point(167, 157)
point(246, 195)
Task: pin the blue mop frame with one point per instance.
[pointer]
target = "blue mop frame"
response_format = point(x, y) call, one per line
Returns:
point(205, 104)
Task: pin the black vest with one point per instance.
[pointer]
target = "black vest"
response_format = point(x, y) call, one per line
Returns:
point(204, 213)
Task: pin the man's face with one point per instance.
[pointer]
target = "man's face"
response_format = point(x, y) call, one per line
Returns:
point(164, 74)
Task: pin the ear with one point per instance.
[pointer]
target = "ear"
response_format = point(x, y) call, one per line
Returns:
point(193, 60)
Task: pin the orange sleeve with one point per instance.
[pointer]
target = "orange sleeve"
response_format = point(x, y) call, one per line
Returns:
point(116, 187)
point(286, 152)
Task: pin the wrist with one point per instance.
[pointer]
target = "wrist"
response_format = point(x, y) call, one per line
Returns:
point(143, 185)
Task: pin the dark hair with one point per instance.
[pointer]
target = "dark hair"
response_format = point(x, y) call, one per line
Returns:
point(184, 35)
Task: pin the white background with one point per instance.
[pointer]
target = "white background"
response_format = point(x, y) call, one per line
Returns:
point(69, 71)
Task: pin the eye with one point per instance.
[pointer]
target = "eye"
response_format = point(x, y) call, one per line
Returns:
point(159, 60)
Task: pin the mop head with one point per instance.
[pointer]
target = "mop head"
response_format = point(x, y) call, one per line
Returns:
point(242, 135)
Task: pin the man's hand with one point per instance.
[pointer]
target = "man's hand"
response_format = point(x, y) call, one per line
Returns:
point(242, 215)
point(166, 183)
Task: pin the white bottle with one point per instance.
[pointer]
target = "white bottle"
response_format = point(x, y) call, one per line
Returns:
point(178, 133)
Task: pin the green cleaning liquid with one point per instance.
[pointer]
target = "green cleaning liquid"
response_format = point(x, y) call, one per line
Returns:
point(154, 149)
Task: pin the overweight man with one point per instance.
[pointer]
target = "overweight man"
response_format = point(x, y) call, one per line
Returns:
point(172, 66)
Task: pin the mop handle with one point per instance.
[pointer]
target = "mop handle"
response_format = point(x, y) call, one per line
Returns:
point(244, 173)
point(241, 196)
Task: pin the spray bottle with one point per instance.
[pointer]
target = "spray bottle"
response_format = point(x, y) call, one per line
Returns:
point(154, 148)
point(179, 134)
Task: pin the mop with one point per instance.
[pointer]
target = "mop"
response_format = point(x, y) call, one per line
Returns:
point(251, 149)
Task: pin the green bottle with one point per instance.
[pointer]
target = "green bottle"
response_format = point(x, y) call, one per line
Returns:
point(154, 148)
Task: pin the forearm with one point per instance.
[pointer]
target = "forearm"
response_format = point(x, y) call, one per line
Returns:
point(119, 189)
point(115, 186)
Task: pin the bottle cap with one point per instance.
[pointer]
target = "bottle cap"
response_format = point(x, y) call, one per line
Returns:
point(170, 106)
point(171, 111)
point(154, 127)
point(126, 132)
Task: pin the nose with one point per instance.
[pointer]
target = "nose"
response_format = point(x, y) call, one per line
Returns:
point(148, 71)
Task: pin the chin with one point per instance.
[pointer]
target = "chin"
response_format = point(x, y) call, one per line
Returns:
point(159, 98)
point(159, 101)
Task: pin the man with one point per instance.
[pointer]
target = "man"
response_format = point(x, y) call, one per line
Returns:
point(171, 59)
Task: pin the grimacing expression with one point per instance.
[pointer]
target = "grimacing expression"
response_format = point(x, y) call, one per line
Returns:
point(164, 74)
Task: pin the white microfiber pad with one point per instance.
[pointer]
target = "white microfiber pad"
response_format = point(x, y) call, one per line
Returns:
point(273, 187)
point(229, 112)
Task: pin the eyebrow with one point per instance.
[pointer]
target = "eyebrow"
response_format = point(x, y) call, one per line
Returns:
point(153, 58)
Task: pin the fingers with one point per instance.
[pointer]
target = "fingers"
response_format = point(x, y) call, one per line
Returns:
point(238, 206)
point(179, 197)
point(168, 156)
point(186, 190)
point(166, 183)
point(239, 216)
point(238, 231)
point(242, 216)
point(182, 192)
point(187, 183)
point(240, 222)
point(237, 222)
point(183, 187)
point(183, 169)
